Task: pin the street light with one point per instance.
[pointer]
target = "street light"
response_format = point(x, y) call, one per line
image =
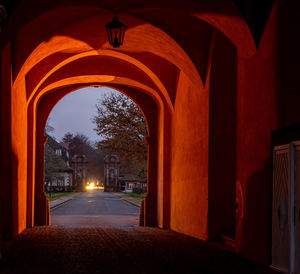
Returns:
point(115, 31)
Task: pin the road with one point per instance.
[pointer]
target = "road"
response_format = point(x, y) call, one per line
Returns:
point(95, 208)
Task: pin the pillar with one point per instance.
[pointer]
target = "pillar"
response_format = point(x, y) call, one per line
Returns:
point(42, 207)
point(150, 201)
point(7, 215)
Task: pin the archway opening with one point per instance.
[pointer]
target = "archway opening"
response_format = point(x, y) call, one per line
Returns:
point(38, 56)
point(160, 59)
point(121, 152)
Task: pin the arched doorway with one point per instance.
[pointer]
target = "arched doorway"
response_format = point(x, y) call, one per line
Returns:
point(72, 148)
point(162, 61)
point(148, 107)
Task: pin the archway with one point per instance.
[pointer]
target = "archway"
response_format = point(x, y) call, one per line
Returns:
point(167, 66)
point(45, 105)
point(64, 56)
point(126, 69)
point(73, 114)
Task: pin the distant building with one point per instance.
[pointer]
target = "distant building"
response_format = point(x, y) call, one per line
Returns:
point(131, 183)
point(60, 149)
point(117, 177)
point(133, 176)
point(58, 173)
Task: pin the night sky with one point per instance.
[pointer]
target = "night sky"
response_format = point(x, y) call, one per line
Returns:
point(74, 112)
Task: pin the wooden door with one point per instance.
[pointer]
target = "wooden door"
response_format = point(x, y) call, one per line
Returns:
point(280, 208)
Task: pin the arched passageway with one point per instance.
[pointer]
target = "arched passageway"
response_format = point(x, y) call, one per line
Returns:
point(207, 83)
point(45, 105)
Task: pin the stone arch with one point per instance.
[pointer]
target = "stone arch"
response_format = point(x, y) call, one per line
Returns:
point(27, 72)
point(43, 105)
point(227, 20)
point(224, 15)
point(188, 71)
point(42, 86)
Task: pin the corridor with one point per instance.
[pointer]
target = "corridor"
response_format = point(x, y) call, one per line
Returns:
point(217, 84)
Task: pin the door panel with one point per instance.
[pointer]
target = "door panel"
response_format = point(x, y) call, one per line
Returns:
point(280, 208)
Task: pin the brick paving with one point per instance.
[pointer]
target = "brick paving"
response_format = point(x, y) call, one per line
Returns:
point(54, 249)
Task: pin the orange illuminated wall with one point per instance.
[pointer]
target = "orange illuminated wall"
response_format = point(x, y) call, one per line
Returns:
point(189, 188)
point(197, 98)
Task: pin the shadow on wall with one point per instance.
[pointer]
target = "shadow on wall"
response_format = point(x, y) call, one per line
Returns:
point(288, 44)
point(9, 204)
point(222, 135)
point(15, 200)
point(256, 207)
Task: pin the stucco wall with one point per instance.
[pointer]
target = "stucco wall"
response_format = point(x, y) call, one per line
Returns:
point(256, 117)
point(189, 174)
point(19, 159)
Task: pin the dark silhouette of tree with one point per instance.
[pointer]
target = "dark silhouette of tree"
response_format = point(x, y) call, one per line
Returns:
point(122, 127)
point(52, 164)
point(67, 138)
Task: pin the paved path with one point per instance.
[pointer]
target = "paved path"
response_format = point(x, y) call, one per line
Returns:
point(89, 235)
point(55, 250)
point(95, 208)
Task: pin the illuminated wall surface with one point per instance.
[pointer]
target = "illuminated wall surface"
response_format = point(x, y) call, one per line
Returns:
point(213, 79)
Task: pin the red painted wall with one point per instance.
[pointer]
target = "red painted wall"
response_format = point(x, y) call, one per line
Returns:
point(256, 116)
point(267, 99)
point(19, 152)
point(189, 173)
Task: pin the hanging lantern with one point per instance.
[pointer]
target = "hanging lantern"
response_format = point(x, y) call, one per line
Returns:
point(115, 31)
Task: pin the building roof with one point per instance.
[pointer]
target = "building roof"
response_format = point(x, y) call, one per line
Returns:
point(51, 142)
point(129, 178)
point(57, 163)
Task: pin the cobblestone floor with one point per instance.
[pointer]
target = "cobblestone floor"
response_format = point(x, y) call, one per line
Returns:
point(53, 249)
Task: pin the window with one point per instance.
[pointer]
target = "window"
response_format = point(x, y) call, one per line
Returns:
point(60, 181)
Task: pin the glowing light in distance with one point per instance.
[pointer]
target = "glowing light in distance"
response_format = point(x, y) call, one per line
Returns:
point(92, 186)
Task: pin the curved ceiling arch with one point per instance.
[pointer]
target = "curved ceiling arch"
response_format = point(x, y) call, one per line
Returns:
point(157, 86)
point(230, 24)
point(223, 15)
point(96, 80)
point(92, 80)
point(84, 35)
point(118, 83)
